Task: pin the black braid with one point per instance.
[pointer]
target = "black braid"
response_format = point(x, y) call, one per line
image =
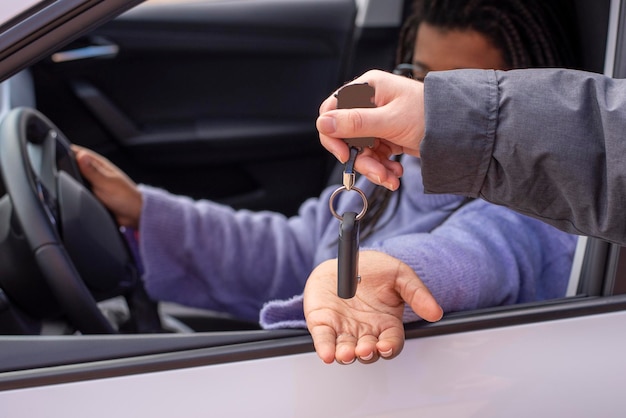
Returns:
point(530, 33)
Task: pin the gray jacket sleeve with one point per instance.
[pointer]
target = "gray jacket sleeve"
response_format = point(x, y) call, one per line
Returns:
point(548, 143)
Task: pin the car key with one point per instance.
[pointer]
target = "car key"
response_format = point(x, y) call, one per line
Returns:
point(356, 95)
point(348, 251)
point(350, 96)
point(348, 256)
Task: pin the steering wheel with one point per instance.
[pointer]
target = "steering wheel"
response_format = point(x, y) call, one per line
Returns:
point(62, 249)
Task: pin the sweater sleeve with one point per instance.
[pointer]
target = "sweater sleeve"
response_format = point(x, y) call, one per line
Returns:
point(486, 255)
point(210, 256)
point(483, 255)
point(545, 142)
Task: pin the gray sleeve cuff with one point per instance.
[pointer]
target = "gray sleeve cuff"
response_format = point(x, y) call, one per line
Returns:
point(461, 111)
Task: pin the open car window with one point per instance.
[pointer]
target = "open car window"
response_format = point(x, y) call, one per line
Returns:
point(589, 275)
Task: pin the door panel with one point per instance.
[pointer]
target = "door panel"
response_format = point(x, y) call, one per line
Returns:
point(566, 367)
point(208, 98)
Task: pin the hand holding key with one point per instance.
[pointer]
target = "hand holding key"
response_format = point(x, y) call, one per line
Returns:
point(352, 95)
point(397, 123)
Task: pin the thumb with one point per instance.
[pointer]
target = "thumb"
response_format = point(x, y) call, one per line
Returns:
point(350, 123)
point(417, 295)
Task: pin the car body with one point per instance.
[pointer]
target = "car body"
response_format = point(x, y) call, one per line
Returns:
point(226, 87)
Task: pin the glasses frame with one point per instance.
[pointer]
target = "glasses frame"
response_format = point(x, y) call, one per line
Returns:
point(409, 70)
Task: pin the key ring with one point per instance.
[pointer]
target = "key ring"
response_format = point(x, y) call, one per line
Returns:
point(344, 188)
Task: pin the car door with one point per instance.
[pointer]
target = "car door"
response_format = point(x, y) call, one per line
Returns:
point(554, 358)
point(212, 99)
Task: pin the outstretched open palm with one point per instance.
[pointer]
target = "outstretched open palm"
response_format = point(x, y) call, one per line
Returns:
point(369, 325)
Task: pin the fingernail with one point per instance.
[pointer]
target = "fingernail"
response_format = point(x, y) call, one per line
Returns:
point(388, 186)
point(386, 353)
point(326, 124)
point(368, 357)
point(348, 362)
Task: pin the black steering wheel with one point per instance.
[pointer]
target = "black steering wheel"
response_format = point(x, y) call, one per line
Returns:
point(62, 250)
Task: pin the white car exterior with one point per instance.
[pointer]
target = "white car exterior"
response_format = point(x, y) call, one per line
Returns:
point(564, 368)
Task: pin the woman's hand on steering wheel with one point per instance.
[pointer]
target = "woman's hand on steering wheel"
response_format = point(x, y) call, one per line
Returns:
point(117, 192)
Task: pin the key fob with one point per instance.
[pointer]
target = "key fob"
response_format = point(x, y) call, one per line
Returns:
point(356, 95)
point(348, 256)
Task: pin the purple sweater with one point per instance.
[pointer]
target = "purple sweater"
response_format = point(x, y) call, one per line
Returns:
point(254, 265)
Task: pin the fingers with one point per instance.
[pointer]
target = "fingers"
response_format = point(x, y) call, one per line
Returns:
point(379, 169)
point(390, 342)
point(111, 186)
point(376, 167)
point(373, 163)
point(398, 119)
point(366, 351)
point(87, 165)
point(345, 348)
point(335, 146)
point(324, 340)
point(94, 167)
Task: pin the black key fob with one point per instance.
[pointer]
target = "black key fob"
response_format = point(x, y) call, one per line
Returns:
point(356, 95)
point(348, 256)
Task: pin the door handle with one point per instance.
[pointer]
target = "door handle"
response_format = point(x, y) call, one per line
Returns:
point(100, 49)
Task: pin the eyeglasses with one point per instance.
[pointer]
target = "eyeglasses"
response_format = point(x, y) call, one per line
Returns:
point(413, 71)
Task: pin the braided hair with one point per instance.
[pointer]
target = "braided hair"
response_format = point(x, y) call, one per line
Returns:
point(530, 33)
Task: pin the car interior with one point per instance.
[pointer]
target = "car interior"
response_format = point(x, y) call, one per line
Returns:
point(205, 99)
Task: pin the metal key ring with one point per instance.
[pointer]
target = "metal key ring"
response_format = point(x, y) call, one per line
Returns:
point(344, 188)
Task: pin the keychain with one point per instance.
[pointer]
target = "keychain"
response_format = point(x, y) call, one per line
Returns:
point(348, 251)
point(352, 95)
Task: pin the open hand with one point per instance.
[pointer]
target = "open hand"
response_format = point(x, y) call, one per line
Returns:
point(369, 325)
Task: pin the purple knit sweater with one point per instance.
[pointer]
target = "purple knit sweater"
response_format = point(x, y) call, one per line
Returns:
point(254, 265)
